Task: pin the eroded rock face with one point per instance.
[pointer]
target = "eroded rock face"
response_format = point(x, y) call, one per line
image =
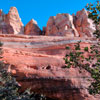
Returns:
point(83, 24)
point(61, 25)
point(32, 28)
point(37, 62)
point(1, 20)
point(11, 23)
point(14, 20)
point(78, 25)
point(4, 27)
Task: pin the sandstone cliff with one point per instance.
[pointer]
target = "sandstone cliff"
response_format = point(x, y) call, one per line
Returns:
point(37, 61)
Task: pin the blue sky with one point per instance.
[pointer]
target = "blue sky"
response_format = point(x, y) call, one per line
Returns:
point(41, 10)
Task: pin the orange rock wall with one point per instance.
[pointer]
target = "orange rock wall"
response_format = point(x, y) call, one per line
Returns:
point(37, 63)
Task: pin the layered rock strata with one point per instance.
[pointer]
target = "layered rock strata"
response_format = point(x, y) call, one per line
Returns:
point(37, 63)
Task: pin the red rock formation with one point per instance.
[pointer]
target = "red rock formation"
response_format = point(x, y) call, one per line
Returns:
point(14, 20)
point(32, 28)
point(1, 20)
point(83, 24)
point(11, 23)
point(61, 25)
point(44, 31)
point(78, 25)
point(37, 62)
point(3, 26)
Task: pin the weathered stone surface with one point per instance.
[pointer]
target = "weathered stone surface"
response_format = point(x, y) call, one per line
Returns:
point(61, 25)
point(44, 31)
point(32, 28)
point(4, 28)
point(37, 62)
point(14, 20)
point(83, 24)
point(78, 25)
point(1, 19)
point(11, 23)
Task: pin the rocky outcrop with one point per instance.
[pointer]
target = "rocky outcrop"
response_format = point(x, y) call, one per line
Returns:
point(32, 28)
point(83, 24)
point(1, 20)
point(4, 27)
point(78, 25)
point(11, 23)
point(14, 20)
point(37, 63)
point(61, 25)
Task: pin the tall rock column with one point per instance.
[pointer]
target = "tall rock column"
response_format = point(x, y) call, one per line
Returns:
point(83, 24)
point(13, 20)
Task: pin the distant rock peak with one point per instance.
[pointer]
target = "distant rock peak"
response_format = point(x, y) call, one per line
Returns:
point(33, 21)
point(32, 28)
point(83, 24)
point(78, 25)
point(13, 10)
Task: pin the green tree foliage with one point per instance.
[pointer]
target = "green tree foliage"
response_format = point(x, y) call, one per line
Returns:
point(91, 63)
point(94, 14)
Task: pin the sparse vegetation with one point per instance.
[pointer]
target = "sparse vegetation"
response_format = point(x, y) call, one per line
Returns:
point(91, 62)
point(9, 87)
